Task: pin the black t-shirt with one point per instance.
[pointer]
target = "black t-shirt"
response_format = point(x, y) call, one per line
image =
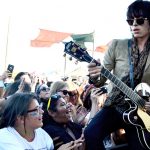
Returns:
point(59, 134)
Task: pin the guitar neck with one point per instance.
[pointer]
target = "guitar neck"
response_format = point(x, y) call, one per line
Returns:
point(82, 55)
point(123, 87)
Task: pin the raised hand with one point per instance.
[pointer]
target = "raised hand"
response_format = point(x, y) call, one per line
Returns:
point(70, 146)
point(80, 144)
point(98, 96)
point(4, 75)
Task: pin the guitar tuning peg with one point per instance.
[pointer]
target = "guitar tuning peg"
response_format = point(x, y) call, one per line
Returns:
point(70, 58)
point(64, 55)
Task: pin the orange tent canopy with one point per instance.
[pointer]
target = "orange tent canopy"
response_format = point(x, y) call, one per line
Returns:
point(103, 48)
point(46, 38)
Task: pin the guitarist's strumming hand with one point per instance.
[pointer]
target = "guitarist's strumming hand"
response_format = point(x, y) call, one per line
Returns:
point(94, 69)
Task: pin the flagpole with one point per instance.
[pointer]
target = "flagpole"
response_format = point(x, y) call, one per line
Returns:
point(93, 46)
point(7, 40)
point(65, 66)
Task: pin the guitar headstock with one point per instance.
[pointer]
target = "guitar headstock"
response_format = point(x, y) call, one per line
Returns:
point(77, 52)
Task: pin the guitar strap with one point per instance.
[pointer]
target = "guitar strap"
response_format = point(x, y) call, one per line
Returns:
point(130, 64)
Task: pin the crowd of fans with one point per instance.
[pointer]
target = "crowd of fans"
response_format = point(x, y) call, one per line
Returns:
point(36, 114)
point(30, 107)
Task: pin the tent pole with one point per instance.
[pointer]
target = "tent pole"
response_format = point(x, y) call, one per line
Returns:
point(7, 40)
point(65, 67)
point(93, 46)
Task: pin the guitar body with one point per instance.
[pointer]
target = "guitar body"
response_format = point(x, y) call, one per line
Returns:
point(136, 114)
point(140, 119)
point(131, 116)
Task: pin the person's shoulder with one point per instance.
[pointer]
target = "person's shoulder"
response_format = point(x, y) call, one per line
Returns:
point(117, 44)
point(118, 41)
point(53, 129)
point(4, 132)
point(41, 133)
point(7, 137)
point(49, 126)
point(75, 126)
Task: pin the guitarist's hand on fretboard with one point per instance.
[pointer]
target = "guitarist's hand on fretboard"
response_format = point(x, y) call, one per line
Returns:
point(94, 69)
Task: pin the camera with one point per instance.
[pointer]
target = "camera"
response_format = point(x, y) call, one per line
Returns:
point(10, 68)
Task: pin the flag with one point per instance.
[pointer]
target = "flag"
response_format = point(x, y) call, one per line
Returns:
point(38, 43)
point(46, 38)
point(101, 49)
point(82, 38)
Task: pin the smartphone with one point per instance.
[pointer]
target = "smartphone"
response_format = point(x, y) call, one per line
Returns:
point(103, 89)
point(10, 68)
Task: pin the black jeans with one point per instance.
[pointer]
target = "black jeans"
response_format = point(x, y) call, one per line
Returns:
point(105, 122)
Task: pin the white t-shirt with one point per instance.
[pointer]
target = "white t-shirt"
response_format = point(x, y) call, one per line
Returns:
point(10, 139)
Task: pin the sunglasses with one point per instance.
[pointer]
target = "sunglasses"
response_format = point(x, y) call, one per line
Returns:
point(36, 111)
point(139, 21)
point(65, 92)
point(44, 89)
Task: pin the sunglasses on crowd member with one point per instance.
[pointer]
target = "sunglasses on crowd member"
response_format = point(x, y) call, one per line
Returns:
point(65, 92)
point(139, 21)
point(35, 111)
point(45, 89)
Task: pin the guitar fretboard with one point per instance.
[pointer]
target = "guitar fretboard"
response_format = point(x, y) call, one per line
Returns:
point(82, 55)
point(123, 87)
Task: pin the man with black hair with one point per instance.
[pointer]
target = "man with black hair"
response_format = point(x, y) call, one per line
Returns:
point(129, 60)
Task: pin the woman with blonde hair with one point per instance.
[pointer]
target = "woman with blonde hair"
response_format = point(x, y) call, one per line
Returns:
point(72, 98)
